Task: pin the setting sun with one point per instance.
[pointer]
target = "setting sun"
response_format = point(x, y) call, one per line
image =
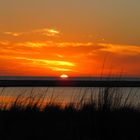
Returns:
point(64, 76)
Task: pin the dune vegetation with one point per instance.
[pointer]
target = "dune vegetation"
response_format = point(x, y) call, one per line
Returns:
point(106, 115)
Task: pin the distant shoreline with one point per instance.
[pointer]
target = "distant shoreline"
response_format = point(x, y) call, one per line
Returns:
point(70, 78)
point(69, 82)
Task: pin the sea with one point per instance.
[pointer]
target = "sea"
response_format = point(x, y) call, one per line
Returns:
point(66, 94)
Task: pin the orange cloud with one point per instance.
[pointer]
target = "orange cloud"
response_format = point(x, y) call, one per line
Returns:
point(55, 44)
point(60, 69)
point(51, 57)
point(4, 43)
point(15, 34)
point(47, 62)
point(53, 65)
point(73, 44)
point(59, 55)
point(120, 49)
point(45, 31)
point(32, 44)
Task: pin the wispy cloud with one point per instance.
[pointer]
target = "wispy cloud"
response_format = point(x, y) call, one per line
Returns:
point(15, 34)
point(48, 62)
point(60, 69)
point(4, 43)
point(50, 32)
point(74, 44)
point(55, 44)
point(33, 44)
point(54, 65)
point(120, 49)
point(47, 32)
point(59, 55)
point(49, 56)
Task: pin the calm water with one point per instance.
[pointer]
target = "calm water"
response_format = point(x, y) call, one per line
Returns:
point(65, 94)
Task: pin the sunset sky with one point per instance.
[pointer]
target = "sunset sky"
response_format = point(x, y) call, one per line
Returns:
point(73, 37)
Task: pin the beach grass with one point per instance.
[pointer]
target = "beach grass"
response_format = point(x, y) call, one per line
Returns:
point(106, 115)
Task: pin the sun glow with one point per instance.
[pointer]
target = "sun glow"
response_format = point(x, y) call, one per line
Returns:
point(64, 76)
